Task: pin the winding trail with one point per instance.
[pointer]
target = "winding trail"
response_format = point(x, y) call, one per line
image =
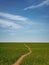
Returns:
point(23, 56)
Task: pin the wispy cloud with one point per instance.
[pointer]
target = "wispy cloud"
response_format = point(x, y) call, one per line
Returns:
point(13, 17)
point(16, 18)
point(4, 23)
point(37, 31)
point(46, 2)
point(45, 16)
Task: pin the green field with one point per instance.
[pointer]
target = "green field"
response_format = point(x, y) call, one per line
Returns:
point(10, 52)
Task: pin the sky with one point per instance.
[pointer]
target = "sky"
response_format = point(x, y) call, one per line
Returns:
point(24, 20)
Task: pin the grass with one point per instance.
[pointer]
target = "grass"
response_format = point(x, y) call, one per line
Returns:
point(10, 52)
point(39, 55)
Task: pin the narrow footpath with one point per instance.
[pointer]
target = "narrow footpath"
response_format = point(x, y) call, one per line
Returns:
point(23, 56)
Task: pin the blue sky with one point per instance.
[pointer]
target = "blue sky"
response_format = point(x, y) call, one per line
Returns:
point(24, 20)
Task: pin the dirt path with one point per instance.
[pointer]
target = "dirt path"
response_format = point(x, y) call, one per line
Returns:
point(23, 56)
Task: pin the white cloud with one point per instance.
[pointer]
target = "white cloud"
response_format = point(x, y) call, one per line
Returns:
point(13, 17)
point(16, 17)
point(10, 24)
point(46, 2)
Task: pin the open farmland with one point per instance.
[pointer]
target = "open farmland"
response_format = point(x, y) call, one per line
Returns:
point(10, 52)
